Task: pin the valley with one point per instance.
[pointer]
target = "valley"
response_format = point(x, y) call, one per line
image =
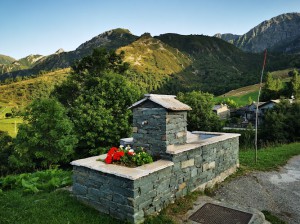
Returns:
point(170, 63)
point(166, 64)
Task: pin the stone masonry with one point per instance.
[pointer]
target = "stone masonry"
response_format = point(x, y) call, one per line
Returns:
point(156, 125)
point(155, 128)
point(133, 193)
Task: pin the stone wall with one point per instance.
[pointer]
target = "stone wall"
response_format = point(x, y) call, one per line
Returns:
point(133, 193)
point(176, 127)
point(154, 128)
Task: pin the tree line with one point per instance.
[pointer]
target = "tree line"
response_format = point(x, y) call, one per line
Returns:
point(87, 114)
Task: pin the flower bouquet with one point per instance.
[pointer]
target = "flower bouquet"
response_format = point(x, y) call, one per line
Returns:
point(127, 156)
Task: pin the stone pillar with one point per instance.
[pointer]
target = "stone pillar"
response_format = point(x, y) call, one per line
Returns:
point(149, 129)
point(155, 128)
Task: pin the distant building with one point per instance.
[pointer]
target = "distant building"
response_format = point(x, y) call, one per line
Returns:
point(267, 105)
point(243, 116)
point(250, 112)
point(263, 107)
point(222, 111)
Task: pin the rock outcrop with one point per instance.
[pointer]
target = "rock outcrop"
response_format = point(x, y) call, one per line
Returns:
point(229, 37)
point(276, 34)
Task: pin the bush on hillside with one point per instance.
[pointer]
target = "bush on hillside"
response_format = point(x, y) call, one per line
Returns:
point(282, 123)
point(6, 150)
point(97, 97)
point(201, 117)
point(45, 138)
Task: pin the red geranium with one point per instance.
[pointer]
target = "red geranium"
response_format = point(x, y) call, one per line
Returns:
point(112, 150)
point(117, 155)
point(108, 159)
point(114, 154)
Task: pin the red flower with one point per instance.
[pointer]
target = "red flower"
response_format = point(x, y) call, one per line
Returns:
point(113, 155)
point(108, 159)
point(130, 153)
point(112, 150)
point(117, 155)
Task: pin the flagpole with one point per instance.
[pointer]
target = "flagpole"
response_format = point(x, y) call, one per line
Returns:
point(256, 113)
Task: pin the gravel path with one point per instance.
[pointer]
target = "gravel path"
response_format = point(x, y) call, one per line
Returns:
point(278, 192)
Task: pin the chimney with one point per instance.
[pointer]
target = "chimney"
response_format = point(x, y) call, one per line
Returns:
point(159, 121)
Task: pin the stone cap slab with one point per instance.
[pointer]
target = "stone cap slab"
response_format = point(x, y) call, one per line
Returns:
point(194, 143)
point(166, 101)
point(121, 171)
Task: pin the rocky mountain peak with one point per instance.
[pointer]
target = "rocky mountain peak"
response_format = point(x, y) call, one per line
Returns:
point(146, 35)
point(277, 30)
point(229, 37)
point(60, 50)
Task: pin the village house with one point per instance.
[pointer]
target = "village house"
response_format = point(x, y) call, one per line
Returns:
point(248, 113)
point(222, 111)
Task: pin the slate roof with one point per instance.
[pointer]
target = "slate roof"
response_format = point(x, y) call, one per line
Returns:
point(167, 101)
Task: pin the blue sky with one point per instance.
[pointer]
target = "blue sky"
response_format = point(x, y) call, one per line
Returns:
point(43, 26)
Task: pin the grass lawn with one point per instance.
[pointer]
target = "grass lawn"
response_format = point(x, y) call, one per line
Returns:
point(241, 100)
point(269, 158)
point(60, 207)
point(9, 125)
point(56, 208)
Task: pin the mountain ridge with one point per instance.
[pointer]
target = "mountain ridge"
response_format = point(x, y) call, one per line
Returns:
point(4, 59)
point(277, 34)
point(150, 55)
point(169, 63)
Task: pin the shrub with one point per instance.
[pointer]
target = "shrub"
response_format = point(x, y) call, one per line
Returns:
point(201, 117)
point(6, 150)
point(7, 115)
point(46, 180)
point(45, 138)
point(282, 123)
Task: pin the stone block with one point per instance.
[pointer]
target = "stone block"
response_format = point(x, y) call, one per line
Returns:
point(122, 191)
point(194, 172)
point(102, 207)
point(187, 163)
point(179, 194)
point(146, 188)
point(180, 134)
point(212, 165)
point(79, 189)
point(119, 199)
point(138, 217)
point(145, 204)
point(94, 193)
point(151, 210)
point(178, 158)
point(181, 186)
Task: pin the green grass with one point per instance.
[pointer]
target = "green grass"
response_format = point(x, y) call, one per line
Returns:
point(272, 218)
point(178, 208)
point(60, 207)
point(240, 95)
point(241, 100)
point(9, 125)
point(56, 207)
point(269, 158)
point(282, 74)
point(19, 94)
